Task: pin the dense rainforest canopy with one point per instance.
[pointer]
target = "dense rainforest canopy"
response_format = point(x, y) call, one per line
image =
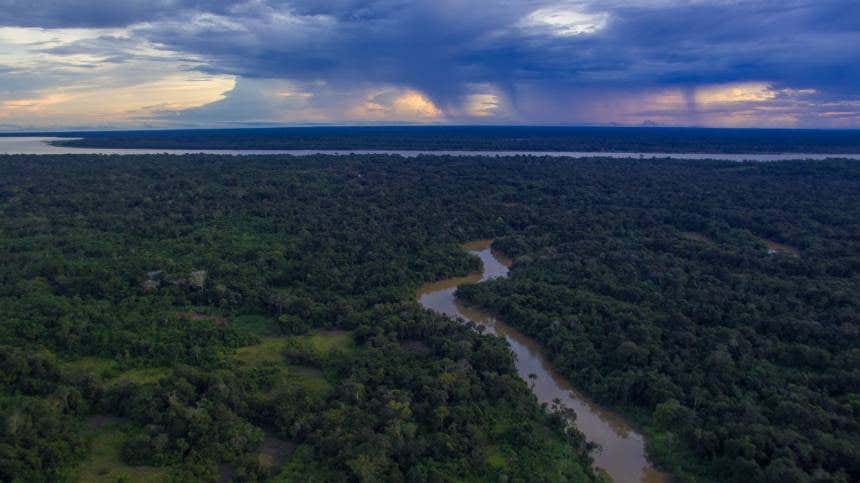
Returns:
point(250, 318)
point(199, 318)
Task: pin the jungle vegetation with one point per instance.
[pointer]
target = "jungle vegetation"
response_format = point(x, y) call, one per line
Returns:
point(205, 318)
point(251, 318)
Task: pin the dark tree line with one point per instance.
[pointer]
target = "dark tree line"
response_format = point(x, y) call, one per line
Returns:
point(491, 138)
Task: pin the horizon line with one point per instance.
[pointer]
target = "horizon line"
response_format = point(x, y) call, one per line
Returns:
point(410, 125)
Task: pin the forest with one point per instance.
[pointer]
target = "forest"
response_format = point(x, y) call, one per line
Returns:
point(225, 318)
point(490, 138)
point(252, 318)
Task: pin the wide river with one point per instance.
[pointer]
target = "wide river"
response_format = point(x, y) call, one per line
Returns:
point(41, 145)
point(622, 452)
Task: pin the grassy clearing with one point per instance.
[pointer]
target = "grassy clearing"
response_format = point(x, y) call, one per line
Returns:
point(325, 342)
point(314, 347)
point(109, 371)
point(101, 367)
point(269, 351)
point(145, 375)
point(104, 462)
point(495, 458)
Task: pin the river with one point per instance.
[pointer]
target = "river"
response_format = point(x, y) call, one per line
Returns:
point(622, 453)
point(42, 145)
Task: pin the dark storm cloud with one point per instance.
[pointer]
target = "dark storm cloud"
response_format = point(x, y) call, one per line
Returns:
point(441, 47)
point(79, 13)
point(445, 47)
point(96, 13)
point(791, 42)
point(429, 42)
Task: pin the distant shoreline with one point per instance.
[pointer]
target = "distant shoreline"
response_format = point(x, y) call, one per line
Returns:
point(646, 140)
point(51, 146)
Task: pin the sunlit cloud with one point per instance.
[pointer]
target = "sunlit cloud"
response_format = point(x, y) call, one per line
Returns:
point(292, 94)
point(397, 105)
point(413, 103)
point(566, 20)
point(175, 92)
point(33, 36)
point(732, 93)
point(96, 77)
point(13, 106)
point(482, 105)
point(120, 104)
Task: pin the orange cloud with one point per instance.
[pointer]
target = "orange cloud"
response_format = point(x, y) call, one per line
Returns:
point(119, 104)
point(731, 93)
point(37, 104)
point(417, 104)
point(397, 105)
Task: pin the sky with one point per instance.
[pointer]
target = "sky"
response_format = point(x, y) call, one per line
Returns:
point(119, 64)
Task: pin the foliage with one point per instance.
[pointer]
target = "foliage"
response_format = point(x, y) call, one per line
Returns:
point(741, 362)
point(128, 282)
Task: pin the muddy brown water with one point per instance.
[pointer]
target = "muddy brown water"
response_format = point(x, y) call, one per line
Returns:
point(622, 453)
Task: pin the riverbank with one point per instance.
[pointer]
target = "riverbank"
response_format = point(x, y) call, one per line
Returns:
point(622, 454)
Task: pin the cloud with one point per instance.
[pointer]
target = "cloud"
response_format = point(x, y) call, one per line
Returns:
point(118, 105)
point(59, 78)
point(398, 105)
point(734, 93)
point(532, 61)
point(482, 105)
point(38, 104)
point(565, 21)
point(94, 13)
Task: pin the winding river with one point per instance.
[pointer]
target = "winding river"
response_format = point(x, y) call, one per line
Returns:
point(622, 453)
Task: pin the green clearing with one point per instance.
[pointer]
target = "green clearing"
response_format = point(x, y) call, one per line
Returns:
point(495, 458)
point(146, 375)
point(105, 463)
point(109, 370)
point(319, 345)
point(325, 342)
point(270, 350)
point(103, 368)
